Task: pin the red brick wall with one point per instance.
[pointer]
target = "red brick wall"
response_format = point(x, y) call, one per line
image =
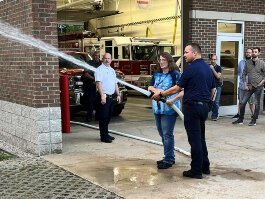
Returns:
point(203, 31)
point(255, 36)
point(239, 6)
point(28, 76)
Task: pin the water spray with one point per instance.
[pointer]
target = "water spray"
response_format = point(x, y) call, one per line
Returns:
point(15, 34)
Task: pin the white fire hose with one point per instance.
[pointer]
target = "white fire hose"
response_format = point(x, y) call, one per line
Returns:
point(132, 136)
point(149, 94)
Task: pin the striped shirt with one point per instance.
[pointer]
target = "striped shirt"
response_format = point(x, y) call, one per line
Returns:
point(255, 73)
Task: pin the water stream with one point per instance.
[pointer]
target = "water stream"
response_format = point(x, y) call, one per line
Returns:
point(15, 34)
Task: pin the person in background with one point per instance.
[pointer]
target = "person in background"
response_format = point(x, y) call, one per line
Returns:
point(241, 88)
point(107, 86)
point(255, 72)
point(217, 72)
point(95, 60)
point(198, 83)
point(89, 86)
point(165, 77)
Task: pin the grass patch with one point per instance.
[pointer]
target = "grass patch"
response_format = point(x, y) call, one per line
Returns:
point(5, 156)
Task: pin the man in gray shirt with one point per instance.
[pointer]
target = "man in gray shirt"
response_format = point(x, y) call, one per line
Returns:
point(255, 71)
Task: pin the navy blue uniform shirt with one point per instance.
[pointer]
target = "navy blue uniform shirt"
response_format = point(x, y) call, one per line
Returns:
point(197, 81)
point(218, 69)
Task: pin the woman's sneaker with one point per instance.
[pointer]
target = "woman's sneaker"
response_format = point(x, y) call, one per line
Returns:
point(162, 161)
point(215, 118)
point(164, 165)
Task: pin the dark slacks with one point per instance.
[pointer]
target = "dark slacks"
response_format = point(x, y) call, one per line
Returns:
point(257, 92)
point(90, 97)
point(104, 112)
point(195, 116)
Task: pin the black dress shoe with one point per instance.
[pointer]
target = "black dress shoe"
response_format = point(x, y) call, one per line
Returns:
point(164, 165)
point(161, 161)
point(111, 137)
point(206, 171)
point(107, 140)
point(189, 174)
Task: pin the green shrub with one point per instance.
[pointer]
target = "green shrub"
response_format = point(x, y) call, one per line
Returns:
point(5, 156)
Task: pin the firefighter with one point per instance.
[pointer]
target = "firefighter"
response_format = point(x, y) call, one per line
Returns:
point(89, 86)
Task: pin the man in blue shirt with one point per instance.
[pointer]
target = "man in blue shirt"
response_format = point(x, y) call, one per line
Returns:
point(217, 72)
point(198, 83)
point(241, 85)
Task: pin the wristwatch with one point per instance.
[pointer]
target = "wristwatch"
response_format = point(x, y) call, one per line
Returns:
point(160, 95)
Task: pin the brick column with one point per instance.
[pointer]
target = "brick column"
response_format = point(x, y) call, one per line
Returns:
point(29, 93)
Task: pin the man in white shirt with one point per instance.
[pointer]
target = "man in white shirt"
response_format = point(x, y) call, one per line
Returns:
point(107, 87)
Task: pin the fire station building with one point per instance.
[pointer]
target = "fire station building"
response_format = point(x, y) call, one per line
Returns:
point(30, 113)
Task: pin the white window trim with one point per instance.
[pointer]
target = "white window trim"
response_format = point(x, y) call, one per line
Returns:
point(231, 34)
point(202, 14)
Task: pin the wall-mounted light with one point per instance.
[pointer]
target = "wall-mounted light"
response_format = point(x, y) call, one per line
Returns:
point(97, 4)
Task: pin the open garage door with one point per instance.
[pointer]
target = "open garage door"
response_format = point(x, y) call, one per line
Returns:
point(81, 10)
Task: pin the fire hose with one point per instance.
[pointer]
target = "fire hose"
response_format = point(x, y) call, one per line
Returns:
point(150, 94)
point(173, 106)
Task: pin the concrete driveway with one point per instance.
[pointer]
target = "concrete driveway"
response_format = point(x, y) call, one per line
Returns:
point(128, 167)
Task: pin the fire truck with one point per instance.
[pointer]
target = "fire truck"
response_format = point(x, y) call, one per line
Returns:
point(135, 57)
point(82, 42)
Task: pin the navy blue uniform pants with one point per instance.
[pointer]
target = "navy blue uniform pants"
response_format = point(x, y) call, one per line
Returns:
point(104, 112)
point(195, 116)
point(90, 97)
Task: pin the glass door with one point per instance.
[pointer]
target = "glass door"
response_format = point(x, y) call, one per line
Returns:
point(229, 52)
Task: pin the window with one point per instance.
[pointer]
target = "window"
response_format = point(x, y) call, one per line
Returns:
point(108, 43)
point(108, 47)
point(125, 52)
point(224, 27)
point(144, 53)
point(116, 54)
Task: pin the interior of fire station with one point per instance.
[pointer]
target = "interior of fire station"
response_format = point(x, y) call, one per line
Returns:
point(132, 18)
point(133, 31)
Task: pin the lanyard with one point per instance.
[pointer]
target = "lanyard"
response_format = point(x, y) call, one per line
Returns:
point(157, 84)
